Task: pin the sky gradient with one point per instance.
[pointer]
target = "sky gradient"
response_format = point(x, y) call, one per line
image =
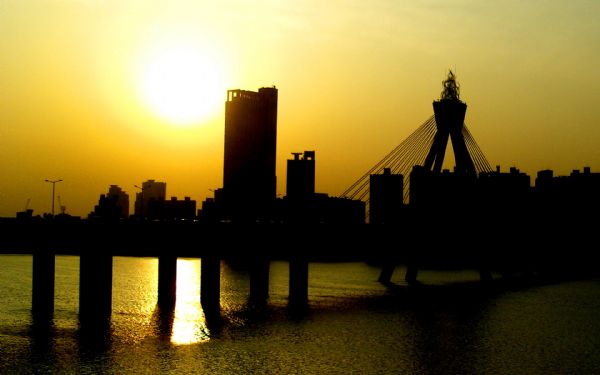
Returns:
point(354, 78)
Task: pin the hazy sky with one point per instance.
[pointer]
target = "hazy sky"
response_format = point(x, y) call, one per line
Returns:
point(83, 84)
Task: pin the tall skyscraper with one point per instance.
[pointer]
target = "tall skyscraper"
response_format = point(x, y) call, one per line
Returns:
point(249, 181)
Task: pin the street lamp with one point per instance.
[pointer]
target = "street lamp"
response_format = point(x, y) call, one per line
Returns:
point(53, 190)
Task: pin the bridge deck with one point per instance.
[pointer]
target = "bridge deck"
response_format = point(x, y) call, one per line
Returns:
point(499, 245)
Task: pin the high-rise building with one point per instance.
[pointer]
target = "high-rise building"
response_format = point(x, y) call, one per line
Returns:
point(122, 199)
point(386, 197)
point(301, 175)
point(249, 181)
point(113, 205)
point(151, 191)
point(302, 205)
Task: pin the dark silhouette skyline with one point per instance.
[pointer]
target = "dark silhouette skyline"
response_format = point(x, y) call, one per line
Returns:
point(249, 180)
point(447, 221)
point(457, 206)
point(119, 99)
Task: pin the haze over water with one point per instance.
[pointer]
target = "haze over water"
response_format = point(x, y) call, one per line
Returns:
point(353, 325)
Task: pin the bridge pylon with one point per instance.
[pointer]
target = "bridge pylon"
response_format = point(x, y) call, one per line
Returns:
point(449, 113)
point(432, 192)
point(426, 147)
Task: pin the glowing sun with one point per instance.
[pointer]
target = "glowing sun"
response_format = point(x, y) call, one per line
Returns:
point(181, 85)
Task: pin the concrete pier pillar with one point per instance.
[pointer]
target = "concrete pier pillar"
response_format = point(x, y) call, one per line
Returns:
point(95, 288)
point(411, 273)
point(210, 285)
point(259, 280)
point(298, 282)
point(42, 301)
point(485, 275)
point(385, 277)
point(167, 281)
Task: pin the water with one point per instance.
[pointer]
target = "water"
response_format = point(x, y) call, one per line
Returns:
point(353, 325)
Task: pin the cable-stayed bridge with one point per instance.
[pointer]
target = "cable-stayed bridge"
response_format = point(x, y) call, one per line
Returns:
point(426, 146)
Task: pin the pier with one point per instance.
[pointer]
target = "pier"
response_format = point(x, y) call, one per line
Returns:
point(96, 243)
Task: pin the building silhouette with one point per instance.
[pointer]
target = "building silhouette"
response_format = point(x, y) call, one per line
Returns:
point(302, 205)
point(300, 202)
point(151, 191)
point(577, 192)
point(172, 209)
point(386, 197)
point(300, 182)
point(444, 191)
point(113, 205)
point(249, 181)
point(504, 193)
point(25, 214)
point(122, 198)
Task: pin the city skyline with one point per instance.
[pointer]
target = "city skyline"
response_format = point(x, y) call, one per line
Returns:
point(351, 87)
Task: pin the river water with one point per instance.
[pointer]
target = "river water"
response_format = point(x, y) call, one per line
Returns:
point(352, 325)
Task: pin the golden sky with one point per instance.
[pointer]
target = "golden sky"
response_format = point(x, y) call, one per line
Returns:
point(82, 87)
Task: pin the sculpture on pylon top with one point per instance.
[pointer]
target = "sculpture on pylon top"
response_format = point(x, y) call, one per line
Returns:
point(451, 89)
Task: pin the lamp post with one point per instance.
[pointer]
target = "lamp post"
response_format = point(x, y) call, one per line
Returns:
point(53, 190)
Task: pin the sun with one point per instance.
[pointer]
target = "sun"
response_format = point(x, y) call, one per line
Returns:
point(181, 85)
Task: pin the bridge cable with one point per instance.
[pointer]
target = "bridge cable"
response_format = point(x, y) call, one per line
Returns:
point(380, 165)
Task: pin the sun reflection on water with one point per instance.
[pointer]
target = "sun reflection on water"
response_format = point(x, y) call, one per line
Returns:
point(189, 323)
